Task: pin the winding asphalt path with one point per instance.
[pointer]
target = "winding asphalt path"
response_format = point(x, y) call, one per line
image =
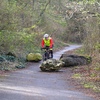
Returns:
point(32, 84)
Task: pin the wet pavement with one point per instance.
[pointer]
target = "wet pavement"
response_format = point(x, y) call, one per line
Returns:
point(32, 84)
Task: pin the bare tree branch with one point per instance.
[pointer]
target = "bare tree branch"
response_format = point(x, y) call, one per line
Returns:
point(45, 7)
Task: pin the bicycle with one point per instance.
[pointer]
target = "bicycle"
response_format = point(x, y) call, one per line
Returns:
point(46, 53)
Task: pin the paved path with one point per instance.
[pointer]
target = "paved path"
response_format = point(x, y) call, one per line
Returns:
point(32, 84)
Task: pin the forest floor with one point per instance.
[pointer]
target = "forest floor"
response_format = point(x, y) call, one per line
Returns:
point(76, 82)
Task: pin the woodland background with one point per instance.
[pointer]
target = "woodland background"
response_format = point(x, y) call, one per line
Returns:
point(23, 23)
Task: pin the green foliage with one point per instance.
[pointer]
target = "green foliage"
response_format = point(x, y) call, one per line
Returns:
point(18, 43)
point(6, 66)
point(2, 59)
point(8, 62)
point(91, 43)
point(78, 76)
point(92, 86)
point(97, 66)
point(22, 23)
point(93, 75)
point(80, 51)
point(88, 85)
point(9, 58)
point(85, 1)
point(17, 15)
point(20, 66)
point(89, 1)
point(89, 59)
point(97, 47)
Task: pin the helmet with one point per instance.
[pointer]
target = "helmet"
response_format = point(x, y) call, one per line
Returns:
point(46, 35)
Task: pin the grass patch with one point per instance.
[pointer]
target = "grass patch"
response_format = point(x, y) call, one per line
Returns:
point(77, 76)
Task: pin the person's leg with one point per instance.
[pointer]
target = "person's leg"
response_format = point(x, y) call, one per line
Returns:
point(44, 56)
point(51, 53)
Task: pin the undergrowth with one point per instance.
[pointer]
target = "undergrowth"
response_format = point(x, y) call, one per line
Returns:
point(89, 75)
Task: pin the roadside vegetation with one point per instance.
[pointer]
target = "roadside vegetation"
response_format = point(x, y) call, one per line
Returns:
point(23, 23)
point(87, 76)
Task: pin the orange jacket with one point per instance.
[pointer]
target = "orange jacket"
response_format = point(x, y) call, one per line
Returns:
point(43, 42)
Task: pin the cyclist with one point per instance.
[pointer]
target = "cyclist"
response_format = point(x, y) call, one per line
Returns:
point(47, 41)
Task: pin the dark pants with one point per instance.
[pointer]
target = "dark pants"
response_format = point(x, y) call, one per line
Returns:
point(51, 53)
